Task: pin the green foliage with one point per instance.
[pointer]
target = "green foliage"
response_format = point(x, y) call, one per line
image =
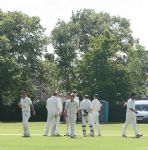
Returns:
point(64, 45)
point(48, 75)
point(137, 63)
point(22, 44)
point(95, 55)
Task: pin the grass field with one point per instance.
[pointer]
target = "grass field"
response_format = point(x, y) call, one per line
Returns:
point(11, 138)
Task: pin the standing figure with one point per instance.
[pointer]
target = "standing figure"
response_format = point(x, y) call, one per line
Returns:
point(131, 116)
point(76, 99)
point(68, 99)
point(96, 108)
point(57, 132)
point(53, 110)
point(25, 104)
point(71, 110)
point(86, 111)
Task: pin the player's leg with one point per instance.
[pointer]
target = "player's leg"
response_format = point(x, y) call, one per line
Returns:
point(26, 117)
point(84, 125)
point(98, 125)
point(72, 125)
point(134, 124)
point(53, 125)
point(48, 124)
point(93, 119)
point(127, 122)
point(67, 126)
point(90, 122)
point(57, 132)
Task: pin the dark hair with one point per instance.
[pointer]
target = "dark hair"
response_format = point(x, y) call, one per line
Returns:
point(133, 94)
point(55, 94)
point(68, 93)
point(74, 91)
point(96, 95)
point(23, 91)
point(86, 96)
point(72, 95)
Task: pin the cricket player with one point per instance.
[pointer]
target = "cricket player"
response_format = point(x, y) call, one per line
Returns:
point(68, 99)
point(96, 109)
point(57, 132)
point(25, 104)
point(71, 110)
point(53, 110)
point(86, 111)
point(76, 99)
point(131, 116)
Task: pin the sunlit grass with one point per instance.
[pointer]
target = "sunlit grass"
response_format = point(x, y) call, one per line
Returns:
point(11, 138)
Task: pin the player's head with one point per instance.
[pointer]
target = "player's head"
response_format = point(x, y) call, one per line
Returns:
point(68, 95)
point(74, 92)
point(23, 93)
point(86, 96)
point(133, 95)
point(96, 96)
point(55, 94)
point(72, 96)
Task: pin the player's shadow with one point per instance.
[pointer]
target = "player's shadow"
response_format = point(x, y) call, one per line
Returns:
point(134, 137)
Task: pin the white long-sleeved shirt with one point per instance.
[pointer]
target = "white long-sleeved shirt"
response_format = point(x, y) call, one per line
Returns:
point(76, 99)
point(72, 108)
point(52, 105)
point(96, 105)
point(25, 102)
point(130, 104)
point(60, 104)
point(85, 105)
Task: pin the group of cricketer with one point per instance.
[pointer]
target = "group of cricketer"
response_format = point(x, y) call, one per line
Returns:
point(87, 111)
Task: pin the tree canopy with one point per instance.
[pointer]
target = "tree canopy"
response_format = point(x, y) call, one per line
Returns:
point(98, 54)
point(22, 45)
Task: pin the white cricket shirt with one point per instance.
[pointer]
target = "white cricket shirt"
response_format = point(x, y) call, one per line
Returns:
point(25, 102)
point(96, 105)
point(85, 104)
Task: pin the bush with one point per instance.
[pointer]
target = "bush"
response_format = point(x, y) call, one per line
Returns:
point(13, 112)
point(117, 113)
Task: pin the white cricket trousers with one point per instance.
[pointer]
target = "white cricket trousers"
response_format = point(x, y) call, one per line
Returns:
point(72, 123)
point(25, 119)
point(67, 126)
point(130, 118)
point(51, 123)
point(95, 120)
point(57, 131)
point(85, 119)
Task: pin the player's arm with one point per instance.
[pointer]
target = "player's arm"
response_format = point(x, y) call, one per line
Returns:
point(65, 110)
point(59, 108)
point(32, 108)
point(131, 107)
point(19, 104)
point(90, 108)
point(80, 109)
point(100, 107)
point(79, 112)
point(136, 112)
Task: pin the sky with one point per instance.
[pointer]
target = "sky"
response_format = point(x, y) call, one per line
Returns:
point(50, 11)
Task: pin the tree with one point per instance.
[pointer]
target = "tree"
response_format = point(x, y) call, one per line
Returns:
point(100, 72)
point(89, 47)
point(64, 45)
point(22, 43)
point(48, 76)
point(137, 63)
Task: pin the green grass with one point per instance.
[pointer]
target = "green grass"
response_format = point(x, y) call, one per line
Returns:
point(11, 139)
